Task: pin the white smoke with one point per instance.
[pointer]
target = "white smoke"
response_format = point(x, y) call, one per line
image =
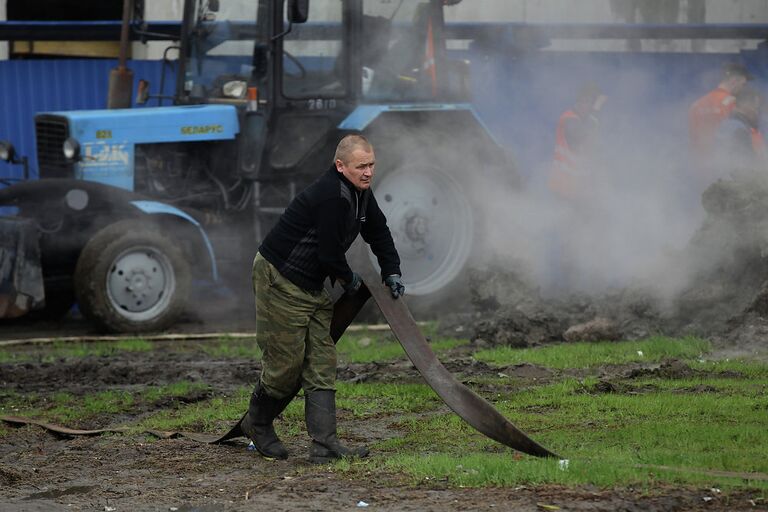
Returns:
point(643, 205)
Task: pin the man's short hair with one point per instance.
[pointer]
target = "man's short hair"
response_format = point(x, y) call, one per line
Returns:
point(588, 93)
point(348, 144)
point(736, 69)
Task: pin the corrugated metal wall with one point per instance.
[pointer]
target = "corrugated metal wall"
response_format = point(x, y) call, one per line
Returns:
point(31, 86)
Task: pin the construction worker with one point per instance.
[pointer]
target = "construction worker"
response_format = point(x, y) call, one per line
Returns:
point(706, 113)
point(575, 140)
point(740, 145)
point(293, 310)
point(572, 184)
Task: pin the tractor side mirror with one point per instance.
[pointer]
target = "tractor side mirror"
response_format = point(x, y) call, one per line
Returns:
point(213, 5)
point(298, 11)
point(142, 92)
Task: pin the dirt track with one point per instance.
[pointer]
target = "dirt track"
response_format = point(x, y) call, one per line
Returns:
point(134, 472)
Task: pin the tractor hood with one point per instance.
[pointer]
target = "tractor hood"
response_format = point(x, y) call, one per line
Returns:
point(106, 140)
point(160, 124)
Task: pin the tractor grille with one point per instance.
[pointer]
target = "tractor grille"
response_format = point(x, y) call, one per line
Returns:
point(51, 132)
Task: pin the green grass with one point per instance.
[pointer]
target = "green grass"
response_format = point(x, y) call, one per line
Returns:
point(205, 416)
point(233, 348)
point(98, 349)
point(503, 470)
point(604, 435)
point(174, 390)
point(712, 416)
point(361, 400)
point(370, 347)
point(16, 404)
point(59, 350)
point(68, 409)
point(8, 356)
point(376, 399)
point(752, 369)
point(587, 355)
point(218, 414)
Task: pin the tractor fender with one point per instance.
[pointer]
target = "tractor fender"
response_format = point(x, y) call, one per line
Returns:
point(75, 210)
point(364, 116)
point(156, 208)
point(454, 132)
point(52, 189)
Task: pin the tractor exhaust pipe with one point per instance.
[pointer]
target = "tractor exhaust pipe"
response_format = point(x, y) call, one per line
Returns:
point(121, 78)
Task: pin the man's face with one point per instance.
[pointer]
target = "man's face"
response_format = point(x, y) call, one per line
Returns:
point(590, 106)
point(737, 83)
point(360, 168)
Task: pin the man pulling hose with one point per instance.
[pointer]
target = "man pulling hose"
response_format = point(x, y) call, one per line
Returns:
point(293, 311)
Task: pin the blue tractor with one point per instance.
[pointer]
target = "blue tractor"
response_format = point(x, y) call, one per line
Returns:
point(139, 212)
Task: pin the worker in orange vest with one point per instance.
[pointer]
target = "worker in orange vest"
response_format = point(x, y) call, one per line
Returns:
point(575, 141)
point(706, 113)
point(740, 145)
point(572, 183)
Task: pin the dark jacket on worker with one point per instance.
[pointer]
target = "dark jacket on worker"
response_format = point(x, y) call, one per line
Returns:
point(318, 227)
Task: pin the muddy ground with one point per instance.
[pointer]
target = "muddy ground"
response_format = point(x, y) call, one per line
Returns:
point(727, 302)
point(119, 472)
point(714, 287)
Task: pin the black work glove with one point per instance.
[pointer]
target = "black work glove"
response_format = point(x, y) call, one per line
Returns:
point(351, 287)
point(396, 285)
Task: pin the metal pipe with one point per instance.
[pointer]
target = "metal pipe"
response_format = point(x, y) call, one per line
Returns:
point(124, 31)
point(121, 78)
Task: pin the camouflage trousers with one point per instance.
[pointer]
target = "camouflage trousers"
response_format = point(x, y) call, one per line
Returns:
point(293, 333)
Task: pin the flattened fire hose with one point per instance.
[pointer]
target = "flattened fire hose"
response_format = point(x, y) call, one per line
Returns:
point(463, 401)
point(470, 407)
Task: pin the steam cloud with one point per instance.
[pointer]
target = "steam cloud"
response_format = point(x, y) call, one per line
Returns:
point(645, 202)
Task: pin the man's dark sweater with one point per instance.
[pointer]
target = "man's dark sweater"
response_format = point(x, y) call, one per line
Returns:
point(313, 234)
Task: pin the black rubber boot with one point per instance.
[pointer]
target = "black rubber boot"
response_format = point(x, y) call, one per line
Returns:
point(257, 423)
point(320, 410)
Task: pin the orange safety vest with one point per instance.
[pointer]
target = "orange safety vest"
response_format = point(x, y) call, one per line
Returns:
point(758, 145)
point(564, 177)
point(429, 58)
point(704, 118)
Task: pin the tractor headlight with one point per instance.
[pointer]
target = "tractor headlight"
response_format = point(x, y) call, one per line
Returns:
point(6, 151)
point(71, 149)
point(234, 89)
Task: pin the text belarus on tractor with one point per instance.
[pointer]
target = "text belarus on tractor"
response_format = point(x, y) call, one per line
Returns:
point(137, 210)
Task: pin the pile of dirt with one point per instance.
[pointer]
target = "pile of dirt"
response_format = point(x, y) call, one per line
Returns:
point(716, 288)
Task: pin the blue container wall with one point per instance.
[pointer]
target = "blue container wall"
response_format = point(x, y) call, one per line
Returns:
point(31, 86)
point(521, 98)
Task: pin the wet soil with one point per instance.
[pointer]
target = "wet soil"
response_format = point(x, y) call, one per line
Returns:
point(727, 302)
point(40, 471)
point(132, 474)
point(716, 288)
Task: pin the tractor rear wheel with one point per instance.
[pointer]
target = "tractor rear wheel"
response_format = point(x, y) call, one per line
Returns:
point(131, 278)
point(432, 224)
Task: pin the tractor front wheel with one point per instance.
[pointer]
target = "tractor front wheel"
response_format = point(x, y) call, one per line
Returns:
point(131, 278)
